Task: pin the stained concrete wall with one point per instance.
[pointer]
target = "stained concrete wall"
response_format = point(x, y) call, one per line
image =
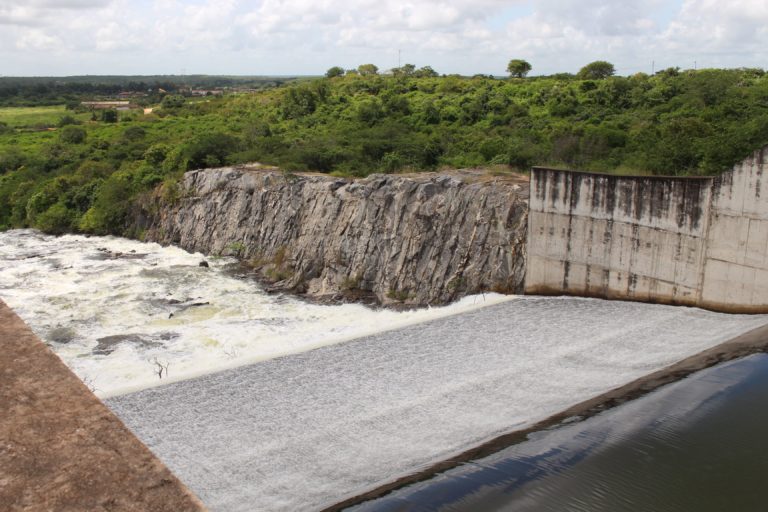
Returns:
point(691, 241)
point(736, 266)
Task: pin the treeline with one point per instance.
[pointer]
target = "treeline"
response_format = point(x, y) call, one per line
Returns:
point(87, 176)
point(72, 93)
point(38, 91)
point(693, 122)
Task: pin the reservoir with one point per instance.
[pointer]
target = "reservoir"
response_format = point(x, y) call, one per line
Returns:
point(268, 402)
point(697, 444)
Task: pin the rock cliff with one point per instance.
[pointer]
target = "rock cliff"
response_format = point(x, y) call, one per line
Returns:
point(413, 239)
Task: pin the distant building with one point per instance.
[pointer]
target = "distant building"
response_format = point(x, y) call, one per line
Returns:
point(131, 94)
point(206, 92)
point(103, 105)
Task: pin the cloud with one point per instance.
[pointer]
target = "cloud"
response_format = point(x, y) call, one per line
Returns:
point(567, 34)
point(736, 26)
point(56, 4)
point(41, 12)
point(44, 13)
point(369, 23)
point(37, 40)
point(303, 36)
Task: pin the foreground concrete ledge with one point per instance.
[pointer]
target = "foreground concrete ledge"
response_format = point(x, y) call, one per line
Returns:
point(751, 342)
point(62, 449)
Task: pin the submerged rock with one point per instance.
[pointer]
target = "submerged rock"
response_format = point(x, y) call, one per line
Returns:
point(105, 254)
point(108, 344)
point(61, 334)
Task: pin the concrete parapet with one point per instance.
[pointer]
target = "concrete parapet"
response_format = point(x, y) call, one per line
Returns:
point(61, 448)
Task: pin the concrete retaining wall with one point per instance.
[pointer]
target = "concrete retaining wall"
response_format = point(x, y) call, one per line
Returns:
point(61, 449)
point(735, 275)
point(691, 241)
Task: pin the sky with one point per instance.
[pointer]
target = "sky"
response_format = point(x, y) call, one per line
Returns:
point(306, 37)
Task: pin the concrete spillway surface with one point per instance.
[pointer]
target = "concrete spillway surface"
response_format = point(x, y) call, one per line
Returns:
point(310, 429)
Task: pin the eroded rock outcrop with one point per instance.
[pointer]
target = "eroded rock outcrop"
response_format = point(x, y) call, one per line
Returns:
point(416, 239)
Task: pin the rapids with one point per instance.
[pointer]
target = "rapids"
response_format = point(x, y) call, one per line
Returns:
point(111, 307)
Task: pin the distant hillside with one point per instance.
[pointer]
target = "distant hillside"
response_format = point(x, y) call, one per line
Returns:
point(37, 91)
point(80, 170)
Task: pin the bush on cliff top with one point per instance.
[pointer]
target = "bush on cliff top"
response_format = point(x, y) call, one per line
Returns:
point(675, 122)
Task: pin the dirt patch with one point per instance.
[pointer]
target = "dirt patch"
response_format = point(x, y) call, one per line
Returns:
point(61, 448)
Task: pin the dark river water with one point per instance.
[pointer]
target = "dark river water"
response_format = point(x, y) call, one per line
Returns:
point(700, 444)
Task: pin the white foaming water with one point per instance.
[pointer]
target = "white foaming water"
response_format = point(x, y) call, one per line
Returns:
point(306, 431)
point(110, 307)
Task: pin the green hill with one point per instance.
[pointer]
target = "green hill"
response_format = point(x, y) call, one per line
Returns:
point(81, 170)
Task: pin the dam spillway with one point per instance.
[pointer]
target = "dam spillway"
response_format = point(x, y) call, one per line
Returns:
point(332, 417)
point(305, 431)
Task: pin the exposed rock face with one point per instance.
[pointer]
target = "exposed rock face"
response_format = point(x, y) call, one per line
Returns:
point(417, 239)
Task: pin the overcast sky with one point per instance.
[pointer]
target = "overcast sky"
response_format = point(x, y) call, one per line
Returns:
point(286, 37)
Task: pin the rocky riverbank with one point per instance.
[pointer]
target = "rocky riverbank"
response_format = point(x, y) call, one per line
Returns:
point(426, 238)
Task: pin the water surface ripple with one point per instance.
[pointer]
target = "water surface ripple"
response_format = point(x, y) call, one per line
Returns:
point(695, 445)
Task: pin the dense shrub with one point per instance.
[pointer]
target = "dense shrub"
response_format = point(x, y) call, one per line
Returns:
point(87, 176)
point(71, 134)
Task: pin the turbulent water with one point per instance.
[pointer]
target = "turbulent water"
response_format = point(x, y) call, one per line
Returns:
point(307, 430)
point(115, 310)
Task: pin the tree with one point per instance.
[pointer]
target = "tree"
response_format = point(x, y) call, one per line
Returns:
point(109, 116)
point(425, 72)
point(56, 220)
point(209, 150)
point(596, 70)
point(518, 68)
point(134, 133)
point(369, 111)
point(405, 70)
point(156, 154)
point(64, 121)
point(298, 102)
point(72, 134)
point(173, 101)
point(334, 72)
point(368, 69)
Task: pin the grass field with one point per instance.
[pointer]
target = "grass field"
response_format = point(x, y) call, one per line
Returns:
point(20, 117)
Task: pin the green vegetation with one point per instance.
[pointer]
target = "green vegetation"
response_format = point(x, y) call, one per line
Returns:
point(38, 91)
point(33, 116)
point(518, 68)
point(71, 170)
point(597, 70)
point(334, 72)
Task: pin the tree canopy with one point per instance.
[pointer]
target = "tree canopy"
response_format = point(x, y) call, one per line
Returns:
point(518, 68)
point(597, 70)
point(72, 172)
point(404, 70)
point(334, 72)
point(368, 69)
